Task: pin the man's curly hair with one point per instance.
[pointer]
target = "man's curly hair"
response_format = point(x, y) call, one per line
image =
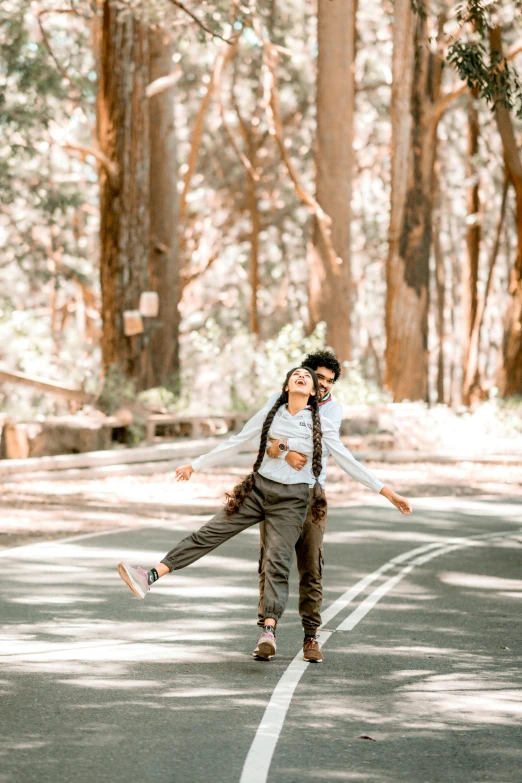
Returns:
point(323, 359)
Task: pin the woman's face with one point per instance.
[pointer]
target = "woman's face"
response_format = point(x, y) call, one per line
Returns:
point(301, 382)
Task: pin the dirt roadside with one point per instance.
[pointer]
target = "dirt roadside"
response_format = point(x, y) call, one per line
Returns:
point(44, 510)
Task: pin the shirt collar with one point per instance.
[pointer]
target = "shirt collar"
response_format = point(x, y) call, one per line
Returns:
point(326, 399)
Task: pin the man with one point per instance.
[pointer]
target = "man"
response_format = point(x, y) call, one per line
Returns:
point(309, 548)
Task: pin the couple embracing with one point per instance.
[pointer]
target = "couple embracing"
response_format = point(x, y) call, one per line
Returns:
point(296, 430)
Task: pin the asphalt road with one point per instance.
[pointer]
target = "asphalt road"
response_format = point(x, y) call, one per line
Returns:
point(425, 659)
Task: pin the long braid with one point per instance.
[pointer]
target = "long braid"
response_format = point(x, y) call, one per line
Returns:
point(318, 502)
point(236, 498)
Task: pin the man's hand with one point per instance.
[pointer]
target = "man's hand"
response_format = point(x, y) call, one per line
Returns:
point(184, 472)
point(273, 449)
point(296, 460)
point(398, 501)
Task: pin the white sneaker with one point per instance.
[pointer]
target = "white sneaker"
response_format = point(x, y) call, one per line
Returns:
point(266, 644)
point(136, 579)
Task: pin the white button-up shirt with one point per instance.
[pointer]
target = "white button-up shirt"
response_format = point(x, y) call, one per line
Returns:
point(298, 430)
point(329, 409)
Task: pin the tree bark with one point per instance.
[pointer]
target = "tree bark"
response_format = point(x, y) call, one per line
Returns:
point(163, 344)
point(123, 137)
point(330, 294)
point(472, 379)
point(440, 289)
point(473, 236)
point(255, 229)
point(510, 375)
point(416, 87)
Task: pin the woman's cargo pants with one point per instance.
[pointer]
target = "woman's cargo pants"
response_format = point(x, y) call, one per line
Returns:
point(283, 508)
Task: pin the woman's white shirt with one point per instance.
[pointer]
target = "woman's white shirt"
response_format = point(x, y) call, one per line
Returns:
point(299, 428)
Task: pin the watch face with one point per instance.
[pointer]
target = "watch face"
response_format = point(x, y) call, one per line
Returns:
point(282, 447)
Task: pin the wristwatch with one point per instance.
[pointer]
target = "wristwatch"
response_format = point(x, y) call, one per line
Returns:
point(282, 445)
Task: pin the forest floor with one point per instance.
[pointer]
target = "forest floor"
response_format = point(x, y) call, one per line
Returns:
point(38, 510)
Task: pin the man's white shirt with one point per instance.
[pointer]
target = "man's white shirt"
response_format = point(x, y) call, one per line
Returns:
point(298, 430)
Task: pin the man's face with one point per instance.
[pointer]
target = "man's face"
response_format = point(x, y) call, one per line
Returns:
point(326, 380)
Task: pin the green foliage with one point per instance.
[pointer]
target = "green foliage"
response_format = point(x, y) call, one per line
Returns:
point(48, 218)
point(484, 69)
point(117, 391)
point(494, 78)
point(159, 397)
point(242, 372)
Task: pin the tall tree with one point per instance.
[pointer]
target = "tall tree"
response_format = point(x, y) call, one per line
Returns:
point(138, 197)
point(473, 236)
point(330, 280)
point(417, 69)
point(510, 375)
point(163, 346)
point(123, 138)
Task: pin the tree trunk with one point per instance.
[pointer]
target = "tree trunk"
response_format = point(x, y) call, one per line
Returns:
point(123, 138)
point(163, 344)
point(510, 375)
point(330, 293)
point(440, 289)
point(416, 86)
point(472, 379)
point(473, 235)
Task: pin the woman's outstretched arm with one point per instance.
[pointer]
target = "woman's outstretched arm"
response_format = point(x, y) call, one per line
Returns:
point(228, 448)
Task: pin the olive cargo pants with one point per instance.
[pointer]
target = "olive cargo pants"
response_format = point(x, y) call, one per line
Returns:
point(282, 508)
point(310, 562)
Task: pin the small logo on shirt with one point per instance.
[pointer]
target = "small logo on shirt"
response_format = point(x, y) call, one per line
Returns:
point(305, 424)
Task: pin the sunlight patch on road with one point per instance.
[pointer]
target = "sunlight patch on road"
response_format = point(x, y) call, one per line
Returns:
point(480, 581)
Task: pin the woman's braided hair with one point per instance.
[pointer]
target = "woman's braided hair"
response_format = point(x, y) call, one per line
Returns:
point(236, 498)
point(318, 501)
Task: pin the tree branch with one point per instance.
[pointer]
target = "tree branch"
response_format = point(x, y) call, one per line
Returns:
point(372, 86)
point(222, 60)
point(189, 278)
point(163, 83)
point(200, 23)
point(109, 165)
point(43, 12)
point(271, 98)
point(245, 161)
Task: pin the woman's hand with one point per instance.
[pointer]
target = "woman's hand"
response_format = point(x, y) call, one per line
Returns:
point(184, 472)
point(295, 459)
point(398, 501)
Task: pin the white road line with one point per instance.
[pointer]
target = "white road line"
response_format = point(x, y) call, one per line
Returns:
point(259, 757)
point(346, 598)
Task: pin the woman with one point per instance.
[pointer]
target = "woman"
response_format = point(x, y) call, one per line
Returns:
point(273, 492)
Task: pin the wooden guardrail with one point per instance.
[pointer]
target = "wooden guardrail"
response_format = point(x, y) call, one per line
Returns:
point(78, 395)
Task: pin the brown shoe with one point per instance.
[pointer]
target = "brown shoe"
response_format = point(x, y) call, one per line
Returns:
point(311, 650)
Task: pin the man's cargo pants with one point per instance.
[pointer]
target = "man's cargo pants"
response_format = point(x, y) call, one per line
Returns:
point(310, 562)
